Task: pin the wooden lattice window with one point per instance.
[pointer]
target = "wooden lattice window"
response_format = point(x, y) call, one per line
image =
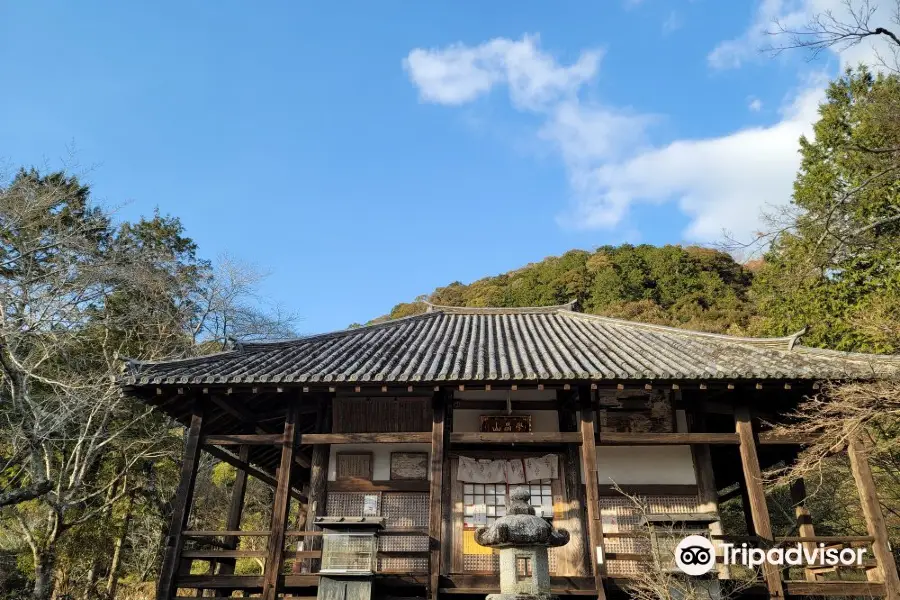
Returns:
point(354, 465)
point(484, 503)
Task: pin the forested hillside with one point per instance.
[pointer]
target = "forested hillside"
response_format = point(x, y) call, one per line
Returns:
point(692, 287)
point(87, 475)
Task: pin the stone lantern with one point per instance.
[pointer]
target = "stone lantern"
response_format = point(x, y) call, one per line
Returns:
point(522, 538)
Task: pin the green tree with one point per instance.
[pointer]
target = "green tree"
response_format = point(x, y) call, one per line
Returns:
point(78, 461)
point(75, 291)
point(834, 264)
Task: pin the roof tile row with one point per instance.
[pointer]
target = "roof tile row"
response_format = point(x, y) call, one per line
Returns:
point(543, 344)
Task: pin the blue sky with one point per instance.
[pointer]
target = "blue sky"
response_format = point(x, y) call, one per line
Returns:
point(366, 152)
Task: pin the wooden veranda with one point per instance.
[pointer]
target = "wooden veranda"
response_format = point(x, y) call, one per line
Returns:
point(286, 431)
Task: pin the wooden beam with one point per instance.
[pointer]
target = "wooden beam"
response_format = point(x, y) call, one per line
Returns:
point(481, 584)
point(250, 469)
point(226, 554)
point(232, 582)
point(574, 491)
point(647, 489)
point(237, 409)
point(234, 408)
point(501, 404)
point(275, 547)
point(745, 508)
point(828, 539)
point(422, 437)
point(318, 479)
point(181, 508)
point(438, 444)
point(707, 492)
point(804, 521)
point(767, 438)
point(378, 485)
point(589, 468)
point(516, 438)
point(729, 495)
point(245, 439)
point(862, 589)
point(665, 439)
point(447, 494)
point(756, 495)
point(201, 533)
point(233, 521)
point(886, 569)
point(303, 554)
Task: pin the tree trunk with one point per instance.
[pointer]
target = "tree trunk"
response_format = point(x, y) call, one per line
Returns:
point(113, 581)
point(43, 576)
point(91, 581)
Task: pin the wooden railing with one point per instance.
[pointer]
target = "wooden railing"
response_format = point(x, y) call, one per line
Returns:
point(212, 555)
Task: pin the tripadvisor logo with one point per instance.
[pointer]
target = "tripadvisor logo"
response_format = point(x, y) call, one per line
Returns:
point(695, 555)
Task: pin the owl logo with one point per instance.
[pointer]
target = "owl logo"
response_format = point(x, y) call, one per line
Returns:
point(695, 555)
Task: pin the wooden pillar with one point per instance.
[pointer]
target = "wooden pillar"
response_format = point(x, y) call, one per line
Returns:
point(592, 482)
point(886, 568)
point(438, 445)
point(756, 495)
point(706, 485)
point(804, 521)
point(578, 543)
point(281, 504)
point(446, 494)
point(318, 482)
point(745, 507)
point(181, 508)
point(233, 521)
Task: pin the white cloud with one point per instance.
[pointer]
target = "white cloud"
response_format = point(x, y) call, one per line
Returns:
point(672, 23)
point(719, 183)
point(732, 53)
point(459, 74)
point(755, 105)
point(771, 15)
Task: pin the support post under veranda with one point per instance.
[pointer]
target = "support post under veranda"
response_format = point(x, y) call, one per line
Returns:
point(435, 514)
point(759, 509)
point(173, 565)
point(885, 570)
point(592, 483)
point(318, 481)
point(804, 522)
point(235, 509)
point(707, 491)
point(280, 507)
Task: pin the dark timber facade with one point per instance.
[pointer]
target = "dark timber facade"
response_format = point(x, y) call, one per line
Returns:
point(411, 421)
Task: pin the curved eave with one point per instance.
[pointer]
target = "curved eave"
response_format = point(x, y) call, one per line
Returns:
point(544, 344)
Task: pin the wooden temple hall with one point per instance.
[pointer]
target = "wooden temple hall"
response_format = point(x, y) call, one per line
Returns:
point(387, 446)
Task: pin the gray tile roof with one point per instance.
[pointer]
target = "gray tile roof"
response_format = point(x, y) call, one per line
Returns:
point(507, 344)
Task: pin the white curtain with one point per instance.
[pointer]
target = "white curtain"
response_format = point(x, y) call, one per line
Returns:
point(471, 470)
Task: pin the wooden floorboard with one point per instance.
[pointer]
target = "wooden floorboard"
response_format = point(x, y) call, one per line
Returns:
point(212, 582)
point(834, 588)
point(463, 584)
